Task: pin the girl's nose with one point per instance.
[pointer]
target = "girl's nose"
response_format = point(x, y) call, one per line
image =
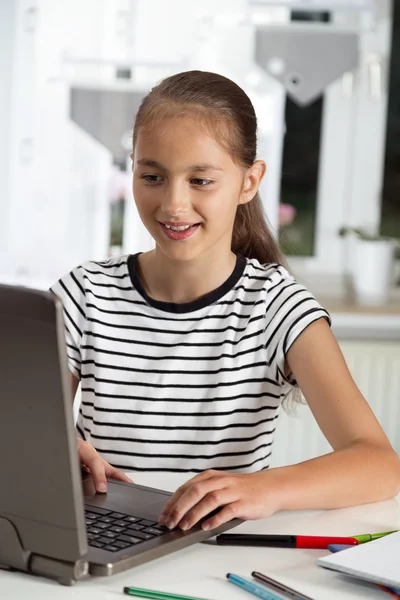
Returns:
point(176, 203)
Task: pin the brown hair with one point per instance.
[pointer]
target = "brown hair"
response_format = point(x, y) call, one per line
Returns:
point(226, 110)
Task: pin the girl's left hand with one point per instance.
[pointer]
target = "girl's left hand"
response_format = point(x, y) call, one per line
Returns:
point(243, 496)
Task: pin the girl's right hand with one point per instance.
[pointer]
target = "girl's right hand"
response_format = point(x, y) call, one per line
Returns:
point(99, 468)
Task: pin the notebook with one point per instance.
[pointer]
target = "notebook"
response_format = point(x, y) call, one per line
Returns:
point(377, 561)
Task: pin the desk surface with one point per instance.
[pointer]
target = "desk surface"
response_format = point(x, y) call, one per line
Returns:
point(200, 569)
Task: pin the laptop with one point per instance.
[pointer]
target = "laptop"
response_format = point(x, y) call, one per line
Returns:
point(52, 521)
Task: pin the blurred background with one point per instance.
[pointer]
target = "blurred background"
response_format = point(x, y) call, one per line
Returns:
point(324, 78)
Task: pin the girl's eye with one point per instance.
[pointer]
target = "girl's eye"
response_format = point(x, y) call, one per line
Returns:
point(197, 181)
point(201, 182)
point(151, 178)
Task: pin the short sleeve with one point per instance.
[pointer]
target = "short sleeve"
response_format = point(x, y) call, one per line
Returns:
point(71, 291)
point(290, 310)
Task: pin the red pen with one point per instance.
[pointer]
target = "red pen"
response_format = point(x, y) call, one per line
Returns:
point(283, 541)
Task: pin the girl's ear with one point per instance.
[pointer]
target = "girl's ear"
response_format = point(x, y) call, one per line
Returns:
point(252, 180)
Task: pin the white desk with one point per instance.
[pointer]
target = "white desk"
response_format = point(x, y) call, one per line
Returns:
point(200, 569)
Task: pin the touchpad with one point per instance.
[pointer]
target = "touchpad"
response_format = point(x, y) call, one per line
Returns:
point(126, 499)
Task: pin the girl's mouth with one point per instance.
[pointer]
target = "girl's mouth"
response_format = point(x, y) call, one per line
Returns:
point(180, 232)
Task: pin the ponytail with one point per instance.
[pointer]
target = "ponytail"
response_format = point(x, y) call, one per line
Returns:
point(252, 236)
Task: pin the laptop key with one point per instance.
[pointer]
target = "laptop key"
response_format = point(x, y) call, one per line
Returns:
point(121, 523)
point(95, 530)
point(129, 538)
point(110, 534)
point(105, 520)
point(102, 525)
point(117, 515)
point(103, 540)
point(92, 536)
point(116, 529)
point(111, 548)
point(154, 531)
point(97, 510)
point(135, 526)
point(95, 544)
point(121, 545)
point(147, 523)
point(90, 515)
point(130, 519)
point(139, 534)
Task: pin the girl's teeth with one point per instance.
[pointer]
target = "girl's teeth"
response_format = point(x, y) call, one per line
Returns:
point(180, 228)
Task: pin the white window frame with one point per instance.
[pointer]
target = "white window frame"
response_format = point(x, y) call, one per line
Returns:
point(353, 141)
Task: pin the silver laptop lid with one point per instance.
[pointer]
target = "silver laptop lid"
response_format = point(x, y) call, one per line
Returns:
point(40, 493)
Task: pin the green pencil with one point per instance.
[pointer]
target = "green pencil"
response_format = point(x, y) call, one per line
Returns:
point(154, 595)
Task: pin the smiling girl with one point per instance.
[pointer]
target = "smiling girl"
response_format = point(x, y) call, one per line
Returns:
point(186, 352)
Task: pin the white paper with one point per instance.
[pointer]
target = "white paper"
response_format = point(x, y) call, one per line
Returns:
point(377, 561)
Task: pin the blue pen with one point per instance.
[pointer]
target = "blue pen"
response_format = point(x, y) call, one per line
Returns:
point(253, 588)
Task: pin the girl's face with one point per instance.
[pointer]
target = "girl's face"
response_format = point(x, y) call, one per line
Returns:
point(183, 178)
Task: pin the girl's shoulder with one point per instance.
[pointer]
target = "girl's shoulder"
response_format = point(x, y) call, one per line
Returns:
point(267, 273)
point(94, 272)
point(89, 275)
point(110, 266)
point(283, 296)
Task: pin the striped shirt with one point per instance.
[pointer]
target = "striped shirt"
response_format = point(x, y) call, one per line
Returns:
point(182, 387)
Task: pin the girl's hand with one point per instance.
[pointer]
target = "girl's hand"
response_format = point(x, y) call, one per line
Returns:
point(99, 468)
point(247, 496)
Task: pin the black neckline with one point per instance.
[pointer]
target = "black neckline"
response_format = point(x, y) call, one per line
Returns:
point(185, 307)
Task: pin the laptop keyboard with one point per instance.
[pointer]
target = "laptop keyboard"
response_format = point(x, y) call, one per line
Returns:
point(115, 531)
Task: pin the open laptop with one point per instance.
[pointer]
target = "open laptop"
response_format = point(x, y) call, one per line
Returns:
point(52, 522)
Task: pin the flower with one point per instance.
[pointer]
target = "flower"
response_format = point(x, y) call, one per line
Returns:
point(287, 214)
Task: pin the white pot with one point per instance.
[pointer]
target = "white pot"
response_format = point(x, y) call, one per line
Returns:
point(372, 270)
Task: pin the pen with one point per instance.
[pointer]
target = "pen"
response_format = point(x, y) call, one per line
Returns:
point(282, 541)
point(252, 588)
point(279, 587)
point(154, 595)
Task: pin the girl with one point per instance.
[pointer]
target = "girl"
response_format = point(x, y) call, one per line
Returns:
point(186, 352)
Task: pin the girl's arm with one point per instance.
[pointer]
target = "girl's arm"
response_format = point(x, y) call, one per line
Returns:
point(362, 468)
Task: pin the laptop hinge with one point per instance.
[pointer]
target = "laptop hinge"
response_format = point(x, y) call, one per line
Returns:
point(14, 556)
point(65, 572)
point(12, 553)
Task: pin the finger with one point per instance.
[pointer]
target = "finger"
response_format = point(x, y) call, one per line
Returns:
point(98, 473)
point(211, 502)
point(191, 497)
point(183, 489)
point(114, 473)
point(90, 457)
point(227, 513)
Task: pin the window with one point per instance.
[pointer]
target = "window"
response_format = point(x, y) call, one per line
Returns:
point(298, 200)
point(390, 215)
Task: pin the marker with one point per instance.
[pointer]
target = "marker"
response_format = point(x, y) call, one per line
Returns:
point(368, 537)
point(283, 541)
point(279, 587)
point(154, 595)
point(252, 588)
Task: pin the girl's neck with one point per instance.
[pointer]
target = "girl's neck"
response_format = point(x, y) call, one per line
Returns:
point(180, 282)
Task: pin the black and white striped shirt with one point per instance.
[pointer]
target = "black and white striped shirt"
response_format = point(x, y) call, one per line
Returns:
point(182, 387)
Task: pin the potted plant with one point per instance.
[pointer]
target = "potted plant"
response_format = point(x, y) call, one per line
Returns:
point(371, 264)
